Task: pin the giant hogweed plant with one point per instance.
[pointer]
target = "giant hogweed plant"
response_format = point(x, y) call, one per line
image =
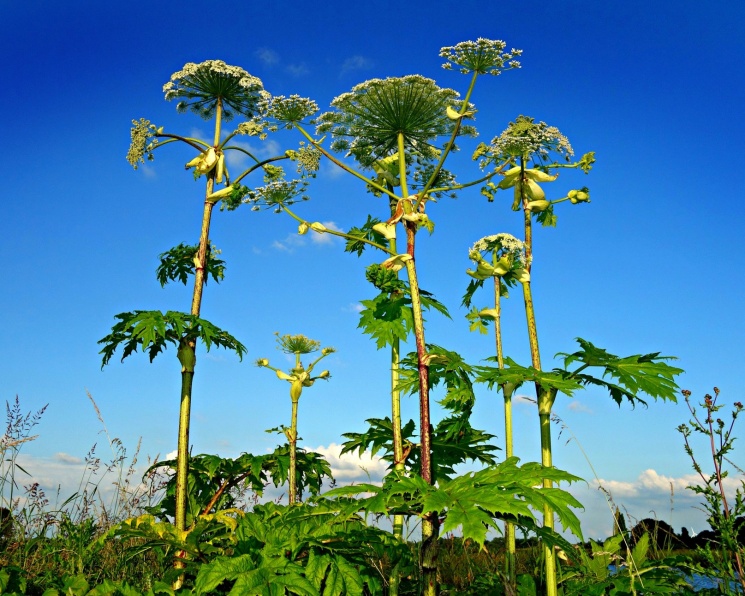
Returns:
point(299, 378)
point(400, 131)
point(527, 146)
point(216, 92)
point(501, 258)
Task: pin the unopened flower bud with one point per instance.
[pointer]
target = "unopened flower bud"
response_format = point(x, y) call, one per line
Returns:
point(537, 206)
point(302, 228)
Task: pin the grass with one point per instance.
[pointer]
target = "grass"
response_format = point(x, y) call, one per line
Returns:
point(48, 544)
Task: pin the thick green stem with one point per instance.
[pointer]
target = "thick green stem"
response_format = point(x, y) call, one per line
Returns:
point(545, 399)
point(394, 580)
point(182, 463)
point(187, 378)
point(292, 439)
point(509, 527)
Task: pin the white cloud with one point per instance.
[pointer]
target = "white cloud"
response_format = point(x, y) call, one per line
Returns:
point(330, 170)
point(353, 307)
point(290, 243)
point(267, 56)
point(197, 133)
point(576, 406)
point(356, 62)
point(297, 70)
point(66, 458)
point(148, 171)
point(351, 467)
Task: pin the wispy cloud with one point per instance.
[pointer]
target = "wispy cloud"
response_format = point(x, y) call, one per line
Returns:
point(353, 307)
point(297, 70)
point(289, 243)
point(267, 56)
point(577, 406)
point(330, 170)
point(66, 458)
point(354, 63)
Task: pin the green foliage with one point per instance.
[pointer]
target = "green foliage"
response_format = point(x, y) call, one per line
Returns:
point(384, 279)
point(151, 331)
point(379, 437)
point(366, 232)
point(648, 373)
point(310, 471)
point(216, 483)
point(210, 482)
point(547, 218)
point(177, 263)
point(516, 375)
point(475, 501)
point(606, 570)
point(305, 549)
point(446, 368)
point(726, 515)
point(389, 316)
point(454, 441)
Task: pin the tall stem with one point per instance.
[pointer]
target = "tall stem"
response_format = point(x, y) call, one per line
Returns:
point(394, 580)
point(292, 438)
point(182, 463)
point(545, 397)
point(509, 527)
point(430, 519)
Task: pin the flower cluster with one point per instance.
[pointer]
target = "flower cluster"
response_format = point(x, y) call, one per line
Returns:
point(255, 127)
point(504, 244)
point(527, 139)
point(277, 194)
point(291, 110)
point(483, 56)
point(142, 143)
point(367, 120)
point(299, 344)
point(308, 159)
point(508, 258)
point(200, 87)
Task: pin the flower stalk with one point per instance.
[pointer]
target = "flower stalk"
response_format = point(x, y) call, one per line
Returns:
point(299, 378)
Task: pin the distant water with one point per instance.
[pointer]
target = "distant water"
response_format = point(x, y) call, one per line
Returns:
point(703, 582)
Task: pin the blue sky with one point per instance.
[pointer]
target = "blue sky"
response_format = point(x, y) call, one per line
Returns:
point(651, 264)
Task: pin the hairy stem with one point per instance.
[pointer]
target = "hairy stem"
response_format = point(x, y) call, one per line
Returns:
point(292, 439)
point(543, 396)
point(509, 527)
point(430, 519)
point(394, 580)
point(182, 465)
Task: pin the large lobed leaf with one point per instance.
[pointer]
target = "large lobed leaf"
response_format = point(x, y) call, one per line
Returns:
point(640, 373)
point(152, 330)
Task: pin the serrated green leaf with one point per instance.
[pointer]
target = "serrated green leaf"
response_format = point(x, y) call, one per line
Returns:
point(640, 373)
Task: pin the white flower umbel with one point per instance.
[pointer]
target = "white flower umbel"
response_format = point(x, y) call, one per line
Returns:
point(526, 138)
point(483, 56)
point(200, 86)
point(506, 243)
